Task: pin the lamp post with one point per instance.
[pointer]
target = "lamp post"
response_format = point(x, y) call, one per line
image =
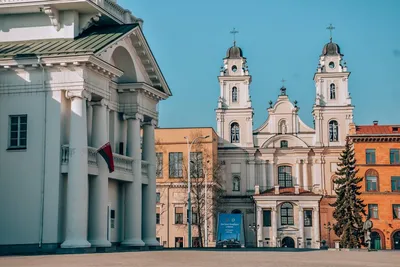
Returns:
point(254, 227)
point(205, 207)
point(189, 209)
point(329, 228)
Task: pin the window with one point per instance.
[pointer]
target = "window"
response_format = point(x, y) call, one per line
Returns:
point(195, 218)
point(373, 211)
point(158, 197)
point(266, 218)
point(175, 165)
point(396, 211)
point(372, 180)
point(234, 94)
point(284, 144)
point(236, 183)
point(285, 176)
point(112, 219)
point(196, 242)
point(370, 156)
point(179, 242)
point(178, 215)
point(159, 165)
point(196, 164)
point(395, 183)
point(394, 156)
point(307, 218)
point(333, 131)
point(235, 138)
point(287, 214)
point(18, 132)
point(332, 91)
point(158, 215)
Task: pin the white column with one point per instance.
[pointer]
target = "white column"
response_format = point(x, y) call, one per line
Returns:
point(316, 237)
point(77, 185)
point(301, 227)
point(317, 174)
point(274, 226)
point(305, 173)
point(98, 194)
point(271, 180)
point(264, 174)
point(252, 175)
point(89, 124)
point(149, 191)
point(298, 173)
point(133, 191)
point(260, 228)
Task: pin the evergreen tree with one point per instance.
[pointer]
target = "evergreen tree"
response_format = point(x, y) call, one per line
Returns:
point(349, 208)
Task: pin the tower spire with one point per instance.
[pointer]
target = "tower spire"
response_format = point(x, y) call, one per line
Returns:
point(234, 32)
point(330, 28)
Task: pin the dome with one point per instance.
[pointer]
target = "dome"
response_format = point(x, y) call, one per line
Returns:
point(234, 52)
point(331, 49)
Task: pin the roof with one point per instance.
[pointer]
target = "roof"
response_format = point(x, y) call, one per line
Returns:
point(287, 191)
point(90, 41)
point(377, 129)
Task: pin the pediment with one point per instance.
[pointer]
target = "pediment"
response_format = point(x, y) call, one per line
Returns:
point(288, 229)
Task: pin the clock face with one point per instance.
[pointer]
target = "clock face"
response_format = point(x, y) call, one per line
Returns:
point(331, 65)
point(234, 68)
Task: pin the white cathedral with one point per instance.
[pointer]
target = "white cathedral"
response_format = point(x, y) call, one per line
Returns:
point(284, 167)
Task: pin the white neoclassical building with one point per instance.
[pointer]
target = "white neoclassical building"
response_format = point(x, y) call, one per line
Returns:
point(75, 75)
point(279, 175)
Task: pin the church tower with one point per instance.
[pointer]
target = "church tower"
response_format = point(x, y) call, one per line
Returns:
point(234, 112)
point(332, 111)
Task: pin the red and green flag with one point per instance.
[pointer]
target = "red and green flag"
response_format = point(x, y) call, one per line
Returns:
point(106, 152)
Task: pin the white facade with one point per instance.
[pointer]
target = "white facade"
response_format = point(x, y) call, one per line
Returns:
point(74, 76)
point(277, 174)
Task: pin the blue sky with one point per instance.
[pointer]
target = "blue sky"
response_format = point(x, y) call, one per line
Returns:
point(281, 39)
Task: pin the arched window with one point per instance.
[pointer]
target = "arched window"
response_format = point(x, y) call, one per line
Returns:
point(284, 144)
point(236, 183)
point(236, 212)
point(287, 214)
point(282, 129)
point(333, 131)
point(285, 176)
point(234, 94)
point(371, 179)
point(235, 138)
point(332, 90)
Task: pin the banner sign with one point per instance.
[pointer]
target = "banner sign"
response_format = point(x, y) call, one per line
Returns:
point(229, 227)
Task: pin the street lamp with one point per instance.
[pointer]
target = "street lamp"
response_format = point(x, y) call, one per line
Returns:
point(205, 207)
point(254, 227)
point(189, 210)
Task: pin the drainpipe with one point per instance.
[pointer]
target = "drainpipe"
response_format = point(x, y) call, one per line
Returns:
point(44, 157)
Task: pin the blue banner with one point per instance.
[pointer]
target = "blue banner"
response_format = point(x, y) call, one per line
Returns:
point(229, 227)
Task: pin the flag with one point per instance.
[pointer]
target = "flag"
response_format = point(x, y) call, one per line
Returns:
point(106, 152)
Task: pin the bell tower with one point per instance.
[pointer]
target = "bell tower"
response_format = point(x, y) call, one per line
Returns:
point(332, 111)
point(234, 112)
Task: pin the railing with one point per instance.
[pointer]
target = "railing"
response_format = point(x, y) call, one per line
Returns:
point(122, 163)
point(92, 156)
point(145, 166)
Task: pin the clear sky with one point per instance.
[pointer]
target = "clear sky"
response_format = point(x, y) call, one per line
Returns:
point(281, 39)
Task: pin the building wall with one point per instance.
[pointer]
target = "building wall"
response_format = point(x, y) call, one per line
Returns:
point(384, 197)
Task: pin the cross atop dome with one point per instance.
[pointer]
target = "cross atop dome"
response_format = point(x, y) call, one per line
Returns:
point(234, 32)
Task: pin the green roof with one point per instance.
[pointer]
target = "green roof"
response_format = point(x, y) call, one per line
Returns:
point(88, 42)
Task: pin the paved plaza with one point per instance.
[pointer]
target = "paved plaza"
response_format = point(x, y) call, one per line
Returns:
point(212, 259)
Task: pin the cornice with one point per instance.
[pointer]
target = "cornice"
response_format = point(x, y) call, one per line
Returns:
point(381, 138)
point(148, 89)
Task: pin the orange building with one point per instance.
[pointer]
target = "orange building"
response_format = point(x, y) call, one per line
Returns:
point(377, 151)
point(171, 212)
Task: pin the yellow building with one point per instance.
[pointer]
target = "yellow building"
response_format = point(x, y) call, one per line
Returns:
point(172, 146)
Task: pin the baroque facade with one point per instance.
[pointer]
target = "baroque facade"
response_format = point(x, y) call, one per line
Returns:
point(74, 76)
point(284, 167)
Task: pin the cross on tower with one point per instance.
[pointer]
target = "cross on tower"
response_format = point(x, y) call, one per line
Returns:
point(330, 28)
point(234, 32)
point(283, 82)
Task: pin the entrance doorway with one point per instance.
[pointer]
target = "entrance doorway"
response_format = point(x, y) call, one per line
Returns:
point(288, 242)
point(376, 241)
point(396, 240)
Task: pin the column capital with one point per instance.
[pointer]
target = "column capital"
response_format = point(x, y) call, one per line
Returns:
point(78, 93)
point(316, 209)
point(305, 161)
point(301, 209)
point(102, 102)
point(136, 116)
point(259, 209)
point(153, 123)
point(274, 209)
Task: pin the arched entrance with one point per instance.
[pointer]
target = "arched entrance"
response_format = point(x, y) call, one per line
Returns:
point(396, 239)
point(236, 212)
point(288, 242)
point(376, 240)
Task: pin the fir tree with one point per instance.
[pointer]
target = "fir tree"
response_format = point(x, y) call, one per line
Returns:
point(349, 208)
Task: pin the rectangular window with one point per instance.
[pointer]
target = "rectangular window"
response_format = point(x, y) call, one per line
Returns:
point(18, 131)
point(159, 165)
point(196, 164)
point(395, 183)
point(196, 242)
point(112, 219)
point(158, 197)
point(195, 218)
point(179, 242)
point(158, 215)
point(373, 211)
point(370, 156)
point(178, 215)
point(175, 165)
point(307, 218)
point(394, 156)
point(396, 211)
point(266, 218)
point(372, 184)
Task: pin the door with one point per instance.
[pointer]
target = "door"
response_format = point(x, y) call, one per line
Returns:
point(396, 240)
point(375, 240)
point(288, 242)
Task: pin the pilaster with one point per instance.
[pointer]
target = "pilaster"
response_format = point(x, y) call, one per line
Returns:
point(260, 227)
point(274, 226)
point(316, 229)
point(301, 227)
point(305, 174)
